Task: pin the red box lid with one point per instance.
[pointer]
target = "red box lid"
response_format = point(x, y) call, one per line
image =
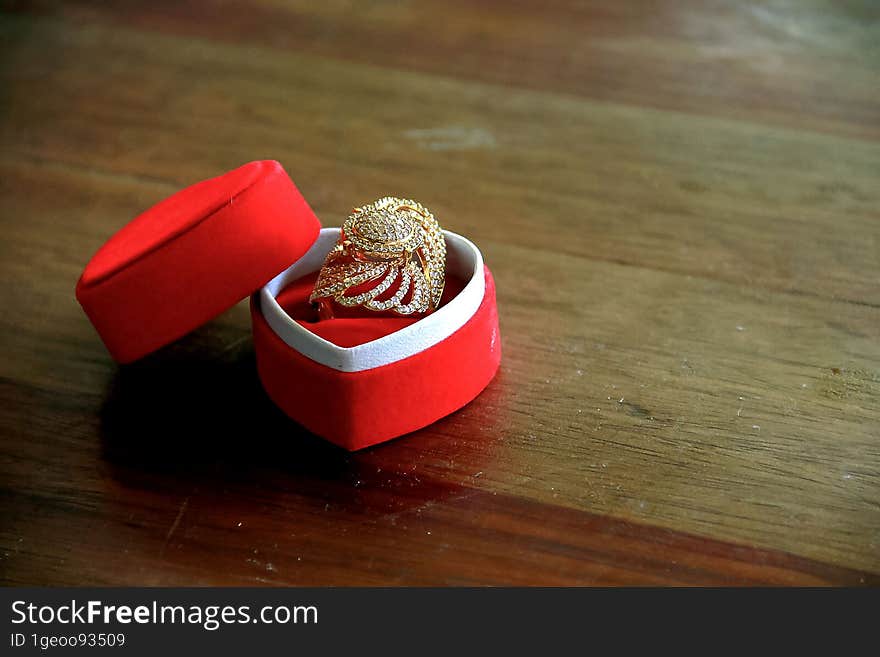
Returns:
point(194, 255)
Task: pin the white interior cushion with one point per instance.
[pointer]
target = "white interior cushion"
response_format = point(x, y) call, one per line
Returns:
point(463, 260)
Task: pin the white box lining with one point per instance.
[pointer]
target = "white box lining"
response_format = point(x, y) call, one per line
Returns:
point(463, 259)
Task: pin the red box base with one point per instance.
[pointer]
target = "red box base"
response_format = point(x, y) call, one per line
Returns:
point(359, 409)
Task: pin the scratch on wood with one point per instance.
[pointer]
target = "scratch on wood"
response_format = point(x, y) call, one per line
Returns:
point(174, 525)
point(451, 138)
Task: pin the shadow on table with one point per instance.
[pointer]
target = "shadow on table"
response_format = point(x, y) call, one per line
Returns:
point(195, 414)
point(178, 412)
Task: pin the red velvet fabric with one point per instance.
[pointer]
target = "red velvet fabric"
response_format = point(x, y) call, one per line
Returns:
point(192, 256)
point(358, 409)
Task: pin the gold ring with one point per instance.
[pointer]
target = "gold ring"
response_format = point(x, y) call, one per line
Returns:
point(390, 256)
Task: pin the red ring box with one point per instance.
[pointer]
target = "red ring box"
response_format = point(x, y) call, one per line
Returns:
point(356, 381)
point(403, 379)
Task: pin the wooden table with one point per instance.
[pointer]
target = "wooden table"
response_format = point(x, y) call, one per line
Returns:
point(679, 203)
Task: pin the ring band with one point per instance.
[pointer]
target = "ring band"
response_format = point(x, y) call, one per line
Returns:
point(390, 256)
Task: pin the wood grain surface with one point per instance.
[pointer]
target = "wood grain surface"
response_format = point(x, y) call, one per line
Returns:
point(679, 201)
